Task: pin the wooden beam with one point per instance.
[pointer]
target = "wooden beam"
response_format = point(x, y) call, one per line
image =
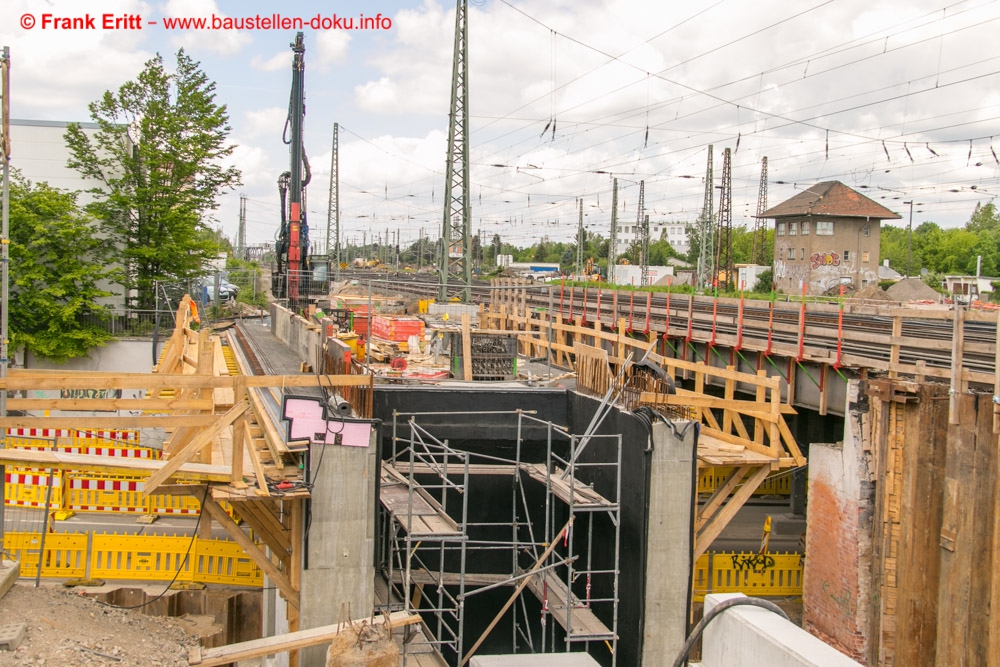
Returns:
point(291, 641)
point(109, 404)
point(109, 422)
point(30, 458)
point(290, 594)
point(704, 512)
point(266, 526)
point(715, 526)
point(203, 439)
point(466, 348)
point(162, 381)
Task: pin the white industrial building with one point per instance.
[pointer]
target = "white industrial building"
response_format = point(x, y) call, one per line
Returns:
point(675, 233)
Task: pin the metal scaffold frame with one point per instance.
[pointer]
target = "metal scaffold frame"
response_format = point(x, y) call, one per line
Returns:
point(426, 528)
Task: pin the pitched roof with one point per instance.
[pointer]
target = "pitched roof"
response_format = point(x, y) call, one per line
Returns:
point(831, 198)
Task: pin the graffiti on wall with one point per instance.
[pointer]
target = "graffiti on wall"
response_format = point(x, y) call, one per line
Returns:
point(824, 259)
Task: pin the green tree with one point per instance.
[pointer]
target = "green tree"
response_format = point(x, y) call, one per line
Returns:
point(56, 265)
point(158, 155)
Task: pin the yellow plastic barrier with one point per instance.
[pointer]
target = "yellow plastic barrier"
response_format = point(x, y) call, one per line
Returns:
point(762, 575)
point(711, 478)
point(26, 487)
point(134, 557)
point(65, 554)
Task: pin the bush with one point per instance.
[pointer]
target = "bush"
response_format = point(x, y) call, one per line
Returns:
point(765, 280)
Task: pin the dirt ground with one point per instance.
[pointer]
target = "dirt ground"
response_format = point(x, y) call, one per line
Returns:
point(64, 628)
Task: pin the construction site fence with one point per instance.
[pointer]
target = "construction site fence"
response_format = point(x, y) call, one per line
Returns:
point(133, 558)
point(755, 574)
point(777, 484)
point(93, 492)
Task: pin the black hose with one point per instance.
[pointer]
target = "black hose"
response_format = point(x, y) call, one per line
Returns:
point(716, 610)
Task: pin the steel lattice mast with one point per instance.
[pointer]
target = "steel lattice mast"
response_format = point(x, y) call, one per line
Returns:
point(241, 234)
point(613, 238)
point(724, 248)
point(456, 241)
point(760, 226)
point(333, 206)
point(579, 241)
point(642, 235)
point(705, 227)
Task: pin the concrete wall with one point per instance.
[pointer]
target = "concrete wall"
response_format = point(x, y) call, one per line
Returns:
point(837, 586)
point(754, 637)
point(340, 543)
point(668, 550)
point(125, 356)
point(294, 332)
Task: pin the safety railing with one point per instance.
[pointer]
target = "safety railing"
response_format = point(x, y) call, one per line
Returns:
point(761, 575)
point(133, 558)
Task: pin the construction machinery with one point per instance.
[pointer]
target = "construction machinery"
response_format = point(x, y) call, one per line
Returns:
point(297, 277)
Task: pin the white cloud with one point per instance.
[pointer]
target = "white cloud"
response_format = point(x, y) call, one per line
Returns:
point(223, 42)
point(263, 121)
point(332, 47)
point(56, 73)
point(276, 62)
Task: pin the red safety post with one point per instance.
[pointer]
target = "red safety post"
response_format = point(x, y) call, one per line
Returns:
point(598, 315)
point(770, 326)
point(666, 327)
point(715, 311)
point(631, 306)
point(584, 320)
point(649, 310)
point(802, 324)
point(739, 322)
point(840, 329)
point(571, 304)
point(690, 318)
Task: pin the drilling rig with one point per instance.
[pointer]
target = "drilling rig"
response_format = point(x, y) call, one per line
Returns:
point(297, 277)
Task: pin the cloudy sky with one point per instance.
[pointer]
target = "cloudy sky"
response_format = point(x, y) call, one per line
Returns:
point(898, 98)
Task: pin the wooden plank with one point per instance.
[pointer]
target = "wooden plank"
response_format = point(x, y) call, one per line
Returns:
point(291, 641)
point(158, 381)
point(720, 520)
point(109, 404)
point(266, 526)
point(466, 348)
point(236, 456)
point(109, 422)
point(110, 465)
point(704, 512)
point(517, 591)
point(284, 585)
point(583, 623)
point(191, 449)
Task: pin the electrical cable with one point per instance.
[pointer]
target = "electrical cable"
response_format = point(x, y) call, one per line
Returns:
point(183, 564)
point(719, 609)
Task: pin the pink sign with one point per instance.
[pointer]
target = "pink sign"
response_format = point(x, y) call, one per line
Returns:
point(308, 418)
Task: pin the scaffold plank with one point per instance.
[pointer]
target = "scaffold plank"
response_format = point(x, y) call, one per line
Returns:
point(583, 623)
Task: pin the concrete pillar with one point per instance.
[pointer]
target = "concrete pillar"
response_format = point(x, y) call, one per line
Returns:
point(340, 540)
point(668, 560)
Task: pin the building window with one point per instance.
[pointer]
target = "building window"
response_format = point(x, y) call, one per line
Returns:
point(619, 229)
point(793, 228)
point(781, 229)
point(805, 228)
point(791, 253)
point(847, 255)
point(824, 228)
point(803, 255)
point(864, 255)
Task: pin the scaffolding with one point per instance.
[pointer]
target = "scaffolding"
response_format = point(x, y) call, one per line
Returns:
point(427, 545)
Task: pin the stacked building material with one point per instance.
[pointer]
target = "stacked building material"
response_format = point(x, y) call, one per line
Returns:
point(494, 356)
point(396, 329)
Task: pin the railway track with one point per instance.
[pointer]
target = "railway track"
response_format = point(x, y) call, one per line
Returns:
point(881, 335)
